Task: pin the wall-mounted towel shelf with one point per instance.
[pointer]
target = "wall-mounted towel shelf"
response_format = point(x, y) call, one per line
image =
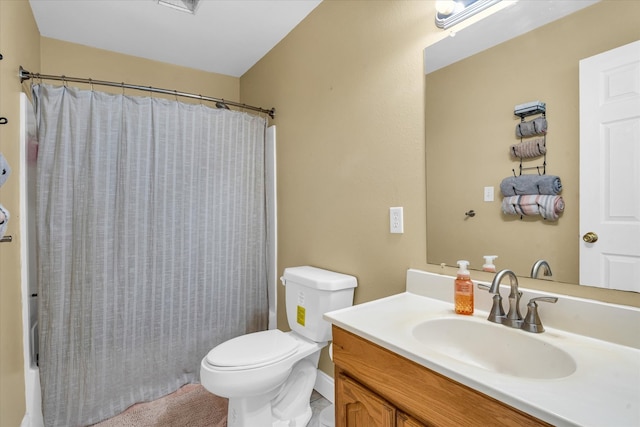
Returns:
point(533, 193)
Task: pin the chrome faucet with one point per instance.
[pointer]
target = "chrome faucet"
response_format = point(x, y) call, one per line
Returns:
point(513, 318)
point(536, 267)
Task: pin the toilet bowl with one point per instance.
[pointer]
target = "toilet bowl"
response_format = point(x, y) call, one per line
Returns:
point(269, 376)
point(260, 386)
point(328, 414)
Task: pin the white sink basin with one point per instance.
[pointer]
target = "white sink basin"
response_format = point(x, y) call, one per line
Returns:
point(495, 348)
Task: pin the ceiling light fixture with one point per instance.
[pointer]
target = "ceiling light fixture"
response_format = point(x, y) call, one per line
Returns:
point(188, 6)
point(452, 12)
point(445, 7)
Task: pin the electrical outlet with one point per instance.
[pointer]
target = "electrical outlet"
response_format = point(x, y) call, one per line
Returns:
point(488, 194)
point(396, 221)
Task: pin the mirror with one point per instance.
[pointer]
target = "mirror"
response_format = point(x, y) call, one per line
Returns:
point(470, 126)
point(452, 12)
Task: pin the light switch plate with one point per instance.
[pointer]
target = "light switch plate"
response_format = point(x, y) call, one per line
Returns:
point(488, 194)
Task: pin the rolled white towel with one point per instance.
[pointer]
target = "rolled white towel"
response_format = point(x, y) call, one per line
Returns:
point(4, 220)
point(548, 207)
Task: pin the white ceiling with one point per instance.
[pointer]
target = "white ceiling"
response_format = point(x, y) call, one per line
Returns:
point(224, 36)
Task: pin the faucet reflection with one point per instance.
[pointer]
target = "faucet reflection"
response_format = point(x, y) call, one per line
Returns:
point(536, 267)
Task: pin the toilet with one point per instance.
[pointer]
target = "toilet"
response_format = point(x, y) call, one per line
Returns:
point(268, 376)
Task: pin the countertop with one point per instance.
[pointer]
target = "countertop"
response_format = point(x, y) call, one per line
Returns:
point(603, 391)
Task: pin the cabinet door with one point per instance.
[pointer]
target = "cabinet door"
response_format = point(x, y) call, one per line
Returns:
point(358, 407)
point(404, 420)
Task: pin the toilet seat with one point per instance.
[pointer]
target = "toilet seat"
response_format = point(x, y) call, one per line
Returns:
point(253, 350)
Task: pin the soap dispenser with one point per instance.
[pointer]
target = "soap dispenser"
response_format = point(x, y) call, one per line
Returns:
point(488, 263)
point(463, 297)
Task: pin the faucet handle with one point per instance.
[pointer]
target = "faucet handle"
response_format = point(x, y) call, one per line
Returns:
point(544, 299)
point(532, 322)
point(497, 314)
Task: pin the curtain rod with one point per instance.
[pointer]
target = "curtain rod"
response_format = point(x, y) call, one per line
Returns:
point(220, 103)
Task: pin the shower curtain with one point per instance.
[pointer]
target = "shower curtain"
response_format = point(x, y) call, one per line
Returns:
point(151, 245)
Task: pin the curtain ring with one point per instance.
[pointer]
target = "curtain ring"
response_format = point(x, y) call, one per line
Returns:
point(64, 81)
point(122, 85)
point(175, 93)
point(91, 84)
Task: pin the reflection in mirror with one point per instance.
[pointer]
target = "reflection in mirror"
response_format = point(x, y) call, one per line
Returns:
point(470, 126)
point(452, 12)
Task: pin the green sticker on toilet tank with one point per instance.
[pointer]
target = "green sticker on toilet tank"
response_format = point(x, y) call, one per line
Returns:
point(301, 315)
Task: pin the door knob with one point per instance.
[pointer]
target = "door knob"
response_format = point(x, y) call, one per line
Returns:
point(590, 237)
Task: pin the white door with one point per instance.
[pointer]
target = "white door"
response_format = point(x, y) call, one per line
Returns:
point(610, 169)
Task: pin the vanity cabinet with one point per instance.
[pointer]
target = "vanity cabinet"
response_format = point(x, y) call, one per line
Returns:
point(362, 408)
point(378, 388)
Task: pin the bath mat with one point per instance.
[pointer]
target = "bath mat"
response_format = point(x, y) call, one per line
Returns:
point(191, 406)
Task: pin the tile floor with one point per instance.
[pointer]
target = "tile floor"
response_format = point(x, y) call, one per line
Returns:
point(318, 403)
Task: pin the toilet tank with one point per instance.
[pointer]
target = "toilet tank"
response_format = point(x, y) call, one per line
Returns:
point(311, 292)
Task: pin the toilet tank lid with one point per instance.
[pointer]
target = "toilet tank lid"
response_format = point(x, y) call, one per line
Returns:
point(318, 278)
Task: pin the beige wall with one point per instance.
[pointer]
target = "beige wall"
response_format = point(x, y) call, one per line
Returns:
point(470, 122)
point(19, 45)
point(70, 59)
point(348, 87)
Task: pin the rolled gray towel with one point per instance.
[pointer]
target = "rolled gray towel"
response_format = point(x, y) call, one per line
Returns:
point(531, 184)
point(537, 126)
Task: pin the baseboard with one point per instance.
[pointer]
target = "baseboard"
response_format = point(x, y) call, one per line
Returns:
point(325, 386)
